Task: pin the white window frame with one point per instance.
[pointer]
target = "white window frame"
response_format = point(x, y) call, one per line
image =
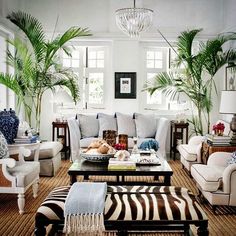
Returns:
point(84, 71)
point(10, 97)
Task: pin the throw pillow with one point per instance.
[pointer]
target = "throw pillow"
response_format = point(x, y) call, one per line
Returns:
point(4, 153)
point(88, 125)
point(126, 124)
point(145, 125)
point(106, 122)
point(149, 144)
point(233, 159)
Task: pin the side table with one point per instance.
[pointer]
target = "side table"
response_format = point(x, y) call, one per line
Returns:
point(64, 136)
point(208, 149)
point(178, 131)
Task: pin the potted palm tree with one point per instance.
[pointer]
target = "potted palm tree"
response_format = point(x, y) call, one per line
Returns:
point(197, 79)
point(36, 64)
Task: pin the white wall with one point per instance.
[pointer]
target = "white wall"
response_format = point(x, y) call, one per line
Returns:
point(171, 17)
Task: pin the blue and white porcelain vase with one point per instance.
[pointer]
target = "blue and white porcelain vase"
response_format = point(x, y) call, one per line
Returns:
point(16, 123)
point(7, 125)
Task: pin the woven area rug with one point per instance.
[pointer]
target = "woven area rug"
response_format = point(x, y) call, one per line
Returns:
point(14, 224)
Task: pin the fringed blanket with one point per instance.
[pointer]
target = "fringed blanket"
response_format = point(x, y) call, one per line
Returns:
point(84, 208)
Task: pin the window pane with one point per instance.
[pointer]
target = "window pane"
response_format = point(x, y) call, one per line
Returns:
point(11, 99)
point(92, 63)
point(92, 55)
point(65, 55)
point(75, 63)
point(158, 55)
point(158, 64)
point(150, 55)
point(3, 97)
point(96, 88)
point(100, 63)
point(156, 97)
point(100, 55)
point(66, 62)
point(150, 63)
point(75, 54)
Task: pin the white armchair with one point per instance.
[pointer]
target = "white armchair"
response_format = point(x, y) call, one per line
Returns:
point(16, 176)
point(216, 180)
point(191, 153)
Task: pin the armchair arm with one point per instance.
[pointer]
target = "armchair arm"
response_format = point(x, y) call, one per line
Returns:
point(75, 137)
point(161, 134)
point(195, 140)
point(219, 159)
point(24, 150)
point(6, 179)
point(229, 179)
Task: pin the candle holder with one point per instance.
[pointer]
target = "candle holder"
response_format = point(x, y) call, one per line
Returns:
point(123, 139)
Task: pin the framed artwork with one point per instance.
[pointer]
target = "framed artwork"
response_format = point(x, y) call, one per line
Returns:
point(125, 85)
point(230, 77)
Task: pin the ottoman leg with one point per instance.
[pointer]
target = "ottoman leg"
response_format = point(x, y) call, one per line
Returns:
point(39, 230)
point(122, 233)
point(203, 229)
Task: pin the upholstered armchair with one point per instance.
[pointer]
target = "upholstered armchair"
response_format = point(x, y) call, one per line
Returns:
point(17, 175)
point(216, 181)
point(191, 153)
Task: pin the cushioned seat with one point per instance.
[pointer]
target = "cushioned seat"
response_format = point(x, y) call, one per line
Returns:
point(137, 204)
point(209, 178)
point(49, 158)
point(216, 180)
point(189, 153)
point(25, 173)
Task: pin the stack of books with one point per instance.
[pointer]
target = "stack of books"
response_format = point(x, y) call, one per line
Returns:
point(26, 139)
point(218, 140)
point(115, 164)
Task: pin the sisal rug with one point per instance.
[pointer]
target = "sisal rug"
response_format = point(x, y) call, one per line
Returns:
point(14, 224)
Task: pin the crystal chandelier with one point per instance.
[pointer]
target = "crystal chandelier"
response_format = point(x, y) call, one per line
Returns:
point(134, 20)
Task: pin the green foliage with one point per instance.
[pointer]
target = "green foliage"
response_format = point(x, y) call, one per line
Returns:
point(36, 64)
point(195, 84)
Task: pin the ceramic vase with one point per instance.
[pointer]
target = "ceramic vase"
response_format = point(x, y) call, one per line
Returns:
point(7, 125)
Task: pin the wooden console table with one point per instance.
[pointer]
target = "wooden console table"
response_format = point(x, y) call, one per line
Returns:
point(65, 140)
point(208, 149)
point(177, 133)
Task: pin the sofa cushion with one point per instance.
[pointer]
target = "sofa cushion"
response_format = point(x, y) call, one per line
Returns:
point(188, 152)
point(85, 142)
point(49, 149)
point(88, 124)
point(126, 124)
point(145, 125)
point(106, 122)
point(209, 178)
point(4, 153)
point(25, 173)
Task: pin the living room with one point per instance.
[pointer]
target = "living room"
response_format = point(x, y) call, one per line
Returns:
point(116, 71)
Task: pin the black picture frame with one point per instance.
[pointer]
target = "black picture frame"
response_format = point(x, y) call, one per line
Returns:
point(230, 77)
point(125, 85)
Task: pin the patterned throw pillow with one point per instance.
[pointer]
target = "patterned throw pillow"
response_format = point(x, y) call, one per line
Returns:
point(233, 159)
point(4, 153)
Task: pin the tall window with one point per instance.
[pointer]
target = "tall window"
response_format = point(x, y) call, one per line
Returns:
point(7, 96)
point(156, 61)
point(89, 63)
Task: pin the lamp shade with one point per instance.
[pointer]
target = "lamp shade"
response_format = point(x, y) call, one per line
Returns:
point(228, 102)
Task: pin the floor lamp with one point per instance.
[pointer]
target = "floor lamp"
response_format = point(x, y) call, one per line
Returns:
point(228, 106)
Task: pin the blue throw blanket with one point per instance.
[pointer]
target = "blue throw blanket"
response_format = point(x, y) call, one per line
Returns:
point(84, 207)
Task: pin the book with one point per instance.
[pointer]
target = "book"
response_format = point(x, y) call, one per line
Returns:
point(121, 167)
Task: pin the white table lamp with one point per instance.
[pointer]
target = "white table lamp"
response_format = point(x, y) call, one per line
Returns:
point(228, 106)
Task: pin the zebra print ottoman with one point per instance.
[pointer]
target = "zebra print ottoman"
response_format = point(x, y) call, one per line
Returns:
point(133, 208)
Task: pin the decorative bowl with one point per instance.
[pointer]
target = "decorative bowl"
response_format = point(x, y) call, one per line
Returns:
point(97, 157)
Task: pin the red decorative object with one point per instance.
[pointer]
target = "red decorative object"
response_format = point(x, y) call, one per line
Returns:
point(219, 129)
point(119, 146)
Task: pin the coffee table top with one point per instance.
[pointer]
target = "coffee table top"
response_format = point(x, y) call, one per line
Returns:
point(82, 166)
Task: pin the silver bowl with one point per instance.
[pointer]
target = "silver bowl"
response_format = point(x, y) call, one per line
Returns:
point(97, 157)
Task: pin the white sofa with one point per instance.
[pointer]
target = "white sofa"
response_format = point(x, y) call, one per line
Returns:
point(217, 180)
point(87, 128)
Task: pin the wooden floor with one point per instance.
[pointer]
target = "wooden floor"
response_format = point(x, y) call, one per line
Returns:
point(12, 223)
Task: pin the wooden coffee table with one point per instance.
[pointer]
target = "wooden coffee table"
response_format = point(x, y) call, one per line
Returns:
point(86, 169)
